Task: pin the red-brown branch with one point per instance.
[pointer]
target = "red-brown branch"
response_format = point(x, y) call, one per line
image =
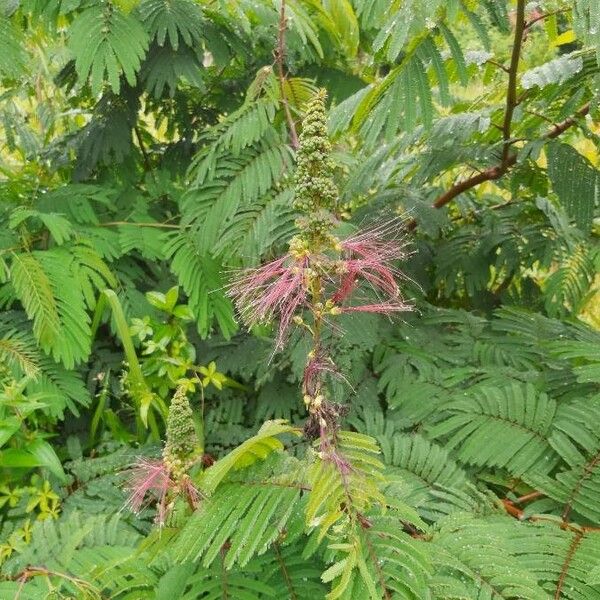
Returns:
point(285, 572)
point(529, 497)
point(539, 18)
point(568, 559)
point(509, 158)
point(493, 173)
point(513, 71)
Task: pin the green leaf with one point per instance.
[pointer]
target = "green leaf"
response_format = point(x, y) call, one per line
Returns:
point(200, 277)
point(46, 457)
point(107, 44)
point(172, 20)
point(342, 15)
point(575, 181)
point(174, 582)
point(257, 447)
point(17, 458)
point(8, 427)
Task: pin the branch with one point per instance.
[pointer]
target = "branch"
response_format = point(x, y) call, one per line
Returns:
point(284, 572)
point(577, 539)
point(147, 164)
point(513, 70)
point(497, 64)
point(32, 571)
point(535, 20)
point(560, 128)
point(493, 173)
point(279, 58)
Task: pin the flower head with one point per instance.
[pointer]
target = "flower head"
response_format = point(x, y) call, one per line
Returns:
point(182, 448)
point(316, 194)
point(151, 482)
point(161, 481)
point(148, 480)
point(275, 290)
point(370, 257)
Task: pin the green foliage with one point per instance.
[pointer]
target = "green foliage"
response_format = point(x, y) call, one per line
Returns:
point(170, 21)
point(106, 44)
point(148, 152)
point(578, 190)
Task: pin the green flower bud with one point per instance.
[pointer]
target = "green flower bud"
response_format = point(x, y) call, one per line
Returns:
point(316, 195)
point(181, 448)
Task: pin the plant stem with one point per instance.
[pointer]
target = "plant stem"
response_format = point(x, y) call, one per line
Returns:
point(147, 164)
point(493, 173)
point(513, 70)
point(284, 572)
point(279, 58)
point(535, 20)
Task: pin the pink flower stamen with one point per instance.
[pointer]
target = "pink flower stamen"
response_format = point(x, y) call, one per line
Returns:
point(148, 477)
point(277, 289)
point(150, 481)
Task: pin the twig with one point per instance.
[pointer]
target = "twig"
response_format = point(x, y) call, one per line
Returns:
point(577, 538)
point(378, 569)
point(284, 572)
point(502, 287)
point(513, 70)
point(149, 169)
point(497, 64)
point(493, 173)
point(539, 18)
point(279, 58)
point(539, 116)
point(30, 572)
point(560, 128)
point(528, 497)
point(224, 572)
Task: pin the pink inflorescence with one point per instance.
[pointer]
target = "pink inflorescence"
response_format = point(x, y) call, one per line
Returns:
point(370, 256)
point(282, 288)
point(275, 290)
point(150, 482)
point(148, 478)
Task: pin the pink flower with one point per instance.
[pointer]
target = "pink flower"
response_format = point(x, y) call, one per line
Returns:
point(147, 477)
point(370, 256)
point(280, 289)
point(277, 289)
point(379, 244)
point(347, 284)
point(150, 481)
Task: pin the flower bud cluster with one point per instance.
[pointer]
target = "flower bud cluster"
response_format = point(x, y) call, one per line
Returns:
point(319, 276)
point(316, 194)
point(181, 449)
point(162, 481)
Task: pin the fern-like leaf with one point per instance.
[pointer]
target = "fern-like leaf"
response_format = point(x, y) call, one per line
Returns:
point(501, 427)
point(107, 44)
point(172, 20)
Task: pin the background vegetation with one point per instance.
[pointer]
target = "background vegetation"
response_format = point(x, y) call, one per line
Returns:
point(148, 150)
